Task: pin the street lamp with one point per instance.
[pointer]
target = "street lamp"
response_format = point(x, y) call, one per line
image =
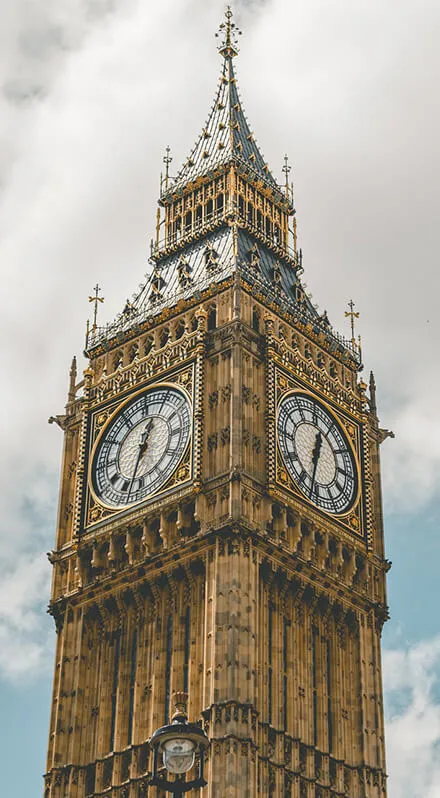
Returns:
point(179, 742)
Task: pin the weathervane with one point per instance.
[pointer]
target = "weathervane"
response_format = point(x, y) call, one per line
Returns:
point(96, 298)
point(230, 33)
point(352, 315)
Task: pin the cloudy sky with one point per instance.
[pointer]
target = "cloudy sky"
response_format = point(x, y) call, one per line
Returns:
point(91, 93)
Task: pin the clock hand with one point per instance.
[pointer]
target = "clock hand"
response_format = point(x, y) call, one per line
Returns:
point(315, 459)
point(142, 449)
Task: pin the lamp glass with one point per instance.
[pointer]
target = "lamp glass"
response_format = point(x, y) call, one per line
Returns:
point(178, 755)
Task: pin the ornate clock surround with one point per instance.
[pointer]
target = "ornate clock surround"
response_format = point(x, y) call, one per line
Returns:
point(184, 378)
point(281, 483)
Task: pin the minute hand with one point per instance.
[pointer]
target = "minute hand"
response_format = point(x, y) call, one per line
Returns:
point(315, 459)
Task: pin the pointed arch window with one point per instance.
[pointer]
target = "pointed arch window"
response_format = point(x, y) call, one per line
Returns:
point(329, 695)
point(179, 331)
point(269, 663)
point(186, 645)
point(114, 696)
point(255, 320)
point(133, 665)
point(209, 209)
point(268, 227)
point(168, 662)
point(184, 272)
point(188, 221)
point(212, 317)
point(220, 203)
point(211, 258)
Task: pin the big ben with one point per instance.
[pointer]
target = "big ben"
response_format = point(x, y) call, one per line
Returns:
point(220, 519)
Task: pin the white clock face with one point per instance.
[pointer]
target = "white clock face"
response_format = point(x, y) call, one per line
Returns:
point(316, 452)
point(141, 446)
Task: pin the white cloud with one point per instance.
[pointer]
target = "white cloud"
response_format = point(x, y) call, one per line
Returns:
point(25, 643)
point(412, 692)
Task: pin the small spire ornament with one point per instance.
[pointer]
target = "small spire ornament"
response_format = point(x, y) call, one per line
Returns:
point(286, 169)
point(96, 298)
point(230, 33)
point(167, 159)
point(352, 315)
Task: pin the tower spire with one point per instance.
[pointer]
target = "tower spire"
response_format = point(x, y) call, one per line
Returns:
point(230, 33)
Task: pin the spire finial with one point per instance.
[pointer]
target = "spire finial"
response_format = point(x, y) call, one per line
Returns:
point(72, 381)
point(96, 298)
point(352, 315)
point(167, 159)
point(230, 33)
point(286, 169)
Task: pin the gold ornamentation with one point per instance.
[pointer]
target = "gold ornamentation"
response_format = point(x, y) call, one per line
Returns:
point(183, 472)
point(282, 476)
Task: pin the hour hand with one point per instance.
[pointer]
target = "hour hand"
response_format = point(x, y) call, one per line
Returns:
point(142, 449)
point(144, 438)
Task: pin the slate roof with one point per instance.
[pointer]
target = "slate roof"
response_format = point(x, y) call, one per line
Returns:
point(225, 137)
point(209, 260)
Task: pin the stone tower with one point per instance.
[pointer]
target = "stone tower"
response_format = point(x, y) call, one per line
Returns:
point(220, 523)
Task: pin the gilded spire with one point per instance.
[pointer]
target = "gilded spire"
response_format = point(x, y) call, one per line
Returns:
point(230, 33)
point(226, 135)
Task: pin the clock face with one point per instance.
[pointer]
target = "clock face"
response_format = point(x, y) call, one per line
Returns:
point(316, 453)
point(141, 446)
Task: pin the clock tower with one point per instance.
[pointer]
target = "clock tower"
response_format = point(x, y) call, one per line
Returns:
point(220, 524)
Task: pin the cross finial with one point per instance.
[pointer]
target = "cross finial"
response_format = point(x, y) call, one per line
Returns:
point(96, 298)
point(286, 169)
point(352, 315)
point(230, 33)
point(167, 159)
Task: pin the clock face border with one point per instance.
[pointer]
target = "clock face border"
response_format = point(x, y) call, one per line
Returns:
point(299, 391)
point(96, 511)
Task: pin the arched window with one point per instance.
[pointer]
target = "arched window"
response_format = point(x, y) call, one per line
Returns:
point(148, 344)
point(178, 227)
point(259, 220)
point(255, 320)
point(250, 214)
point(198, 216)
point(241, 205)
point(268, 227)
point(117, 360)
point(220, 203)
point(188, 222)
point(180, 329)
point(194, 324)
point(164, 336)
point(212, 318)
point(132, 353)
point(209, 208)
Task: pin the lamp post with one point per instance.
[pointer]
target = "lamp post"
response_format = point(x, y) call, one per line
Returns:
point(179, 742)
